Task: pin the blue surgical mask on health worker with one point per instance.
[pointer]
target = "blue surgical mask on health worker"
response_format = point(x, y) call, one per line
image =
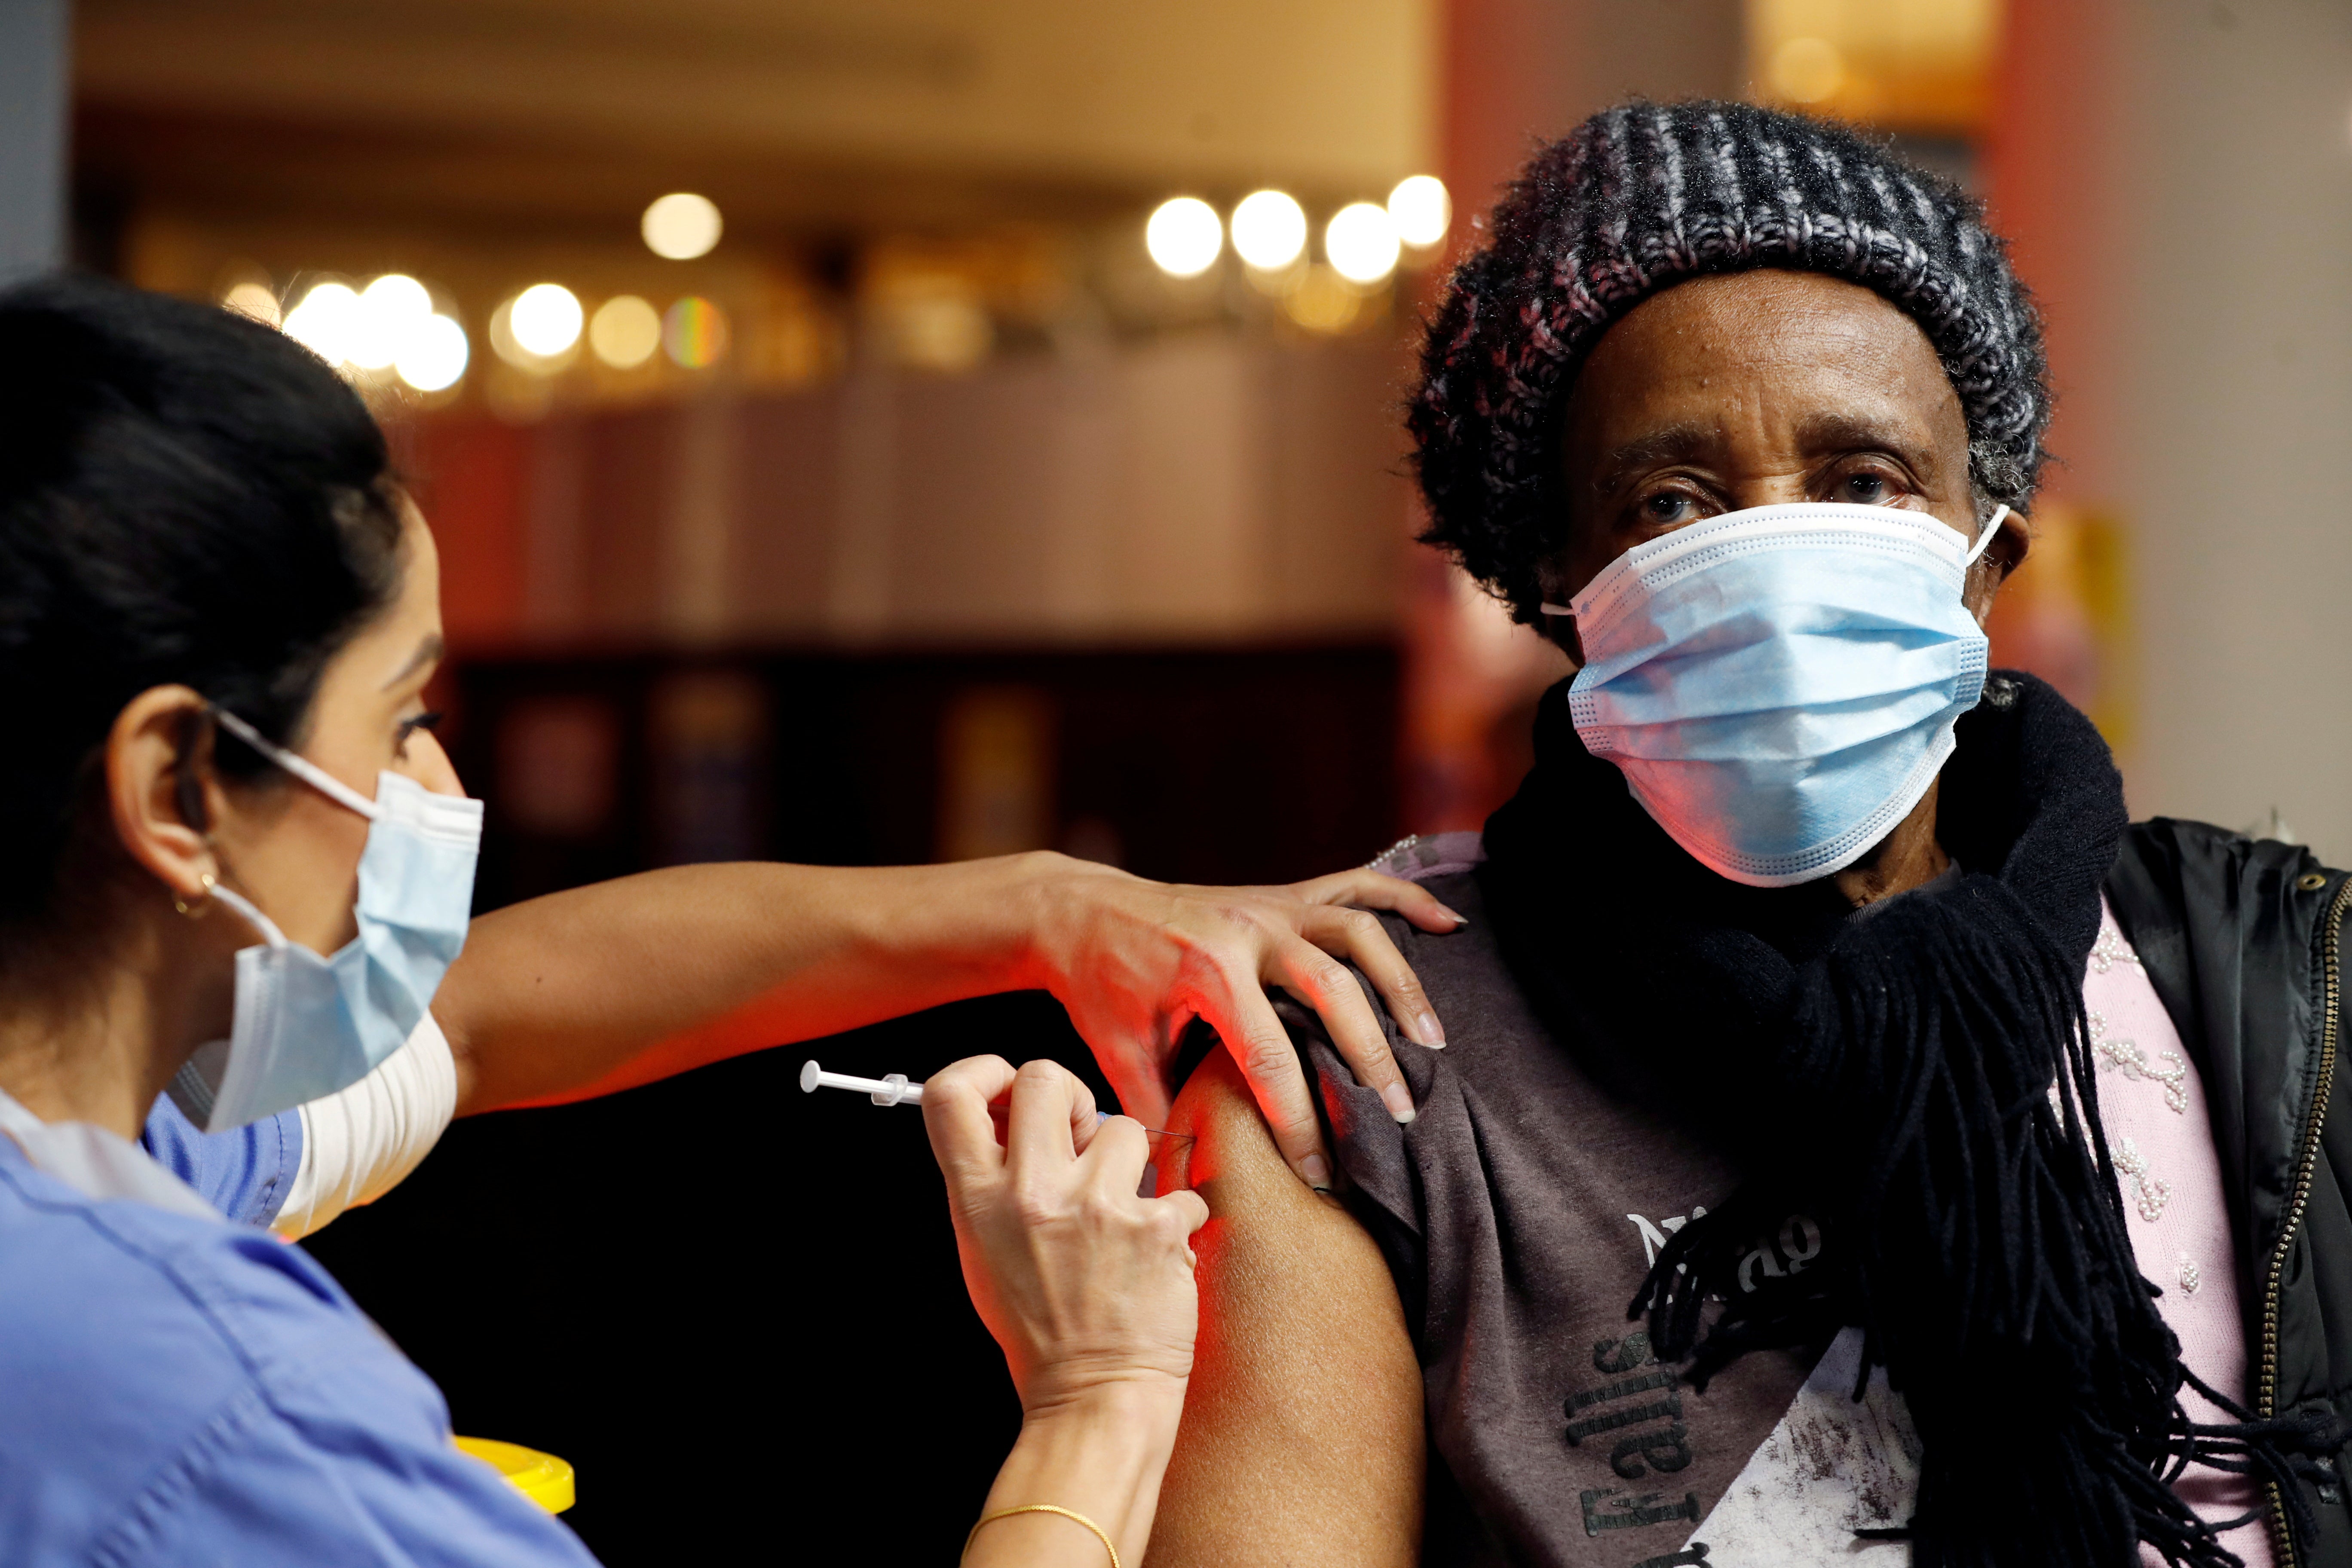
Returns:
point(306, 1026)
point(1779, 685)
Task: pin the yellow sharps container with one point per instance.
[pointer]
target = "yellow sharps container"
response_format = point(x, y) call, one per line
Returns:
point(543, 1478)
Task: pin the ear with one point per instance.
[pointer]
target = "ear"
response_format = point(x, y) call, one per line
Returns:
point(2003, 556)
point(158, 776)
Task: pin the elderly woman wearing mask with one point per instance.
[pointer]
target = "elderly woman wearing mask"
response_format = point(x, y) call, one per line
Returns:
point(1963, 1150)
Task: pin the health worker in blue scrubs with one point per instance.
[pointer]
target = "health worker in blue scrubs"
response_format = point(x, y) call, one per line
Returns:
point(234, 891)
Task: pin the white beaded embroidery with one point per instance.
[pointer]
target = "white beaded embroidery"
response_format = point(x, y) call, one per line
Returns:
point(2127, 1057)
point(2191, 1276)
point(2149, 1191)
point(2110, 950)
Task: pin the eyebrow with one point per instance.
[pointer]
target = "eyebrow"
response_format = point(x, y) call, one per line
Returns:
point(1668, 444)
point(427, 651)
point(1849, 432)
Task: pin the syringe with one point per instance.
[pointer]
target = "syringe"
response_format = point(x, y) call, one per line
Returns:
point(890, 1089)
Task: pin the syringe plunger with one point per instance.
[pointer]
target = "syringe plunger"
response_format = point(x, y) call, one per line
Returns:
point(890, 1089)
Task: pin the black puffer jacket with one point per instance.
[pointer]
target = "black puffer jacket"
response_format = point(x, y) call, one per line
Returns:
point(2241, 939)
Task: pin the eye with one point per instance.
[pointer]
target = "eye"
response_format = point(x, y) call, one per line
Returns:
point(1669, 509)
point(409, 726)
point(1866, 488)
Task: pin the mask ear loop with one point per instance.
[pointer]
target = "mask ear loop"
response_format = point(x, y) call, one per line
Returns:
point(244, 906)
point(1551, 609)
point(311, 774)
point(302, 768)
point(1984, 537)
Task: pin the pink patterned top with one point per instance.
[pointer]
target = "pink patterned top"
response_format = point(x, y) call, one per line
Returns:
point(2162, 1143)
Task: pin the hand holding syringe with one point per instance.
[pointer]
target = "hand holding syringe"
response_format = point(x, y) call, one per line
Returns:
point(892, 1088)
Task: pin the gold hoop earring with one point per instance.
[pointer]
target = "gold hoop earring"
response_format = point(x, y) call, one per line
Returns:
point(203, 900)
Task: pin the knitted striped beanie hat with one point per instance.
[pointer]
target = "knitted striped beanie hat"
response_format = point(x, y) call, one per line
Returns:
point(1642, 196)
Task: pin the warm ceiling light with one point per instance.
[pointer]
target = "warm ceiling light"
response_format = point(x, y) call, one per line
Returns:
point(326, 320)
point(1807, 70)
point(1420, 210)
point(1269, 230)
point(257, 300)
point(681, 226)
point(397, 295)
point(625, 332)
point(1184, 237)
point(433, 354)
point(545, 319)
point(390, 308)
point(1360, 243)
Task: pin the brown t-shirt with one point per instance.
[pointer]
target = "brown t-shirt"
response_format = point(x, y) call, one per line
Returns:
point(1519, 1212)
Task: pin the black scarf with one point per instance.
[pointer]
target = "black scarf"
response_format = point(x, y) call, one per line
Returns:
point(1891, 1078)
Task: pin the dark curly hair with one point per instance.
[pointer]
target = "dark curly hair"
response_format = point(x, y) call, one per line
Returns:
point(186, 496)
point(1642, 196)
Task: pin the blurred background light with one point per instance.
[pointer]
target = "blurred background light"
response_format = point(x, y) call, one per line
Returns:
point(935, 324)
point(257, 300)
point(1807, 70)
point(390, 309)
point(1360, 243)
point(695, 332)
point(625, 332)
point(502, 339)
point(1269, 229)
point(1922, 70)
point(326, 320)
point(1184, 237)
point(1322, 303)
point(1420, 210)
point(546, 319)
point(433, 353)
point(681, 226)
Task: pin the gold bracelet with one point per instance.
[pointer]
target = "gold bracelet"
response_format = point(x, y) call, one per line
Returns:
point(1100, 1534)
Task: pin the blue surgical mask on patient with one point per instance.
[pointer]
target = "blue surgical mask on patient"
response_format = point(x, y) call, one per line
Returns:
point(305, 1025)
point(1779, 685)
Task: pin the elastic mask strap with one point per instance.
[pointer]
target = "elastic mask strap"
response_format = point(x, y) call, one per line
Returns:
point(1562, 610)
point(302, 768)
point(1986, 536)
point(245, 906)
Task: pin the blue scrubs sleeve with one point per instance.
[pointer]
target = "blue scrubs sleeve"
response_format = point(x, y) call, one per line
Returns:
point(180, 1393)
point(245, 1172)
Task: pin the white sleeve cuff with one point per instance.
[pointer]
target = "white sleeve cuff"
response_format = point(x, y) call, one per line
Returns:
point(360, 1143)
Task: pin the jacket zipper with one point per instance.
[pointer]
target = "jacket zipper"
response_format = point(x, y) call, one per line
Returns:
point(2266, 1406)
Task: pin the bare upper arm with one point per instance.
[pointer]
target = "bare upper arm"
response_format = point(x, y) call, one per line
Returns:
point(1302, 1438)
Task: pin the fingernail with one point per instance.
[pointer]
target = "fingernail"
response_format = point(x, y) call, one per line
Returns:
point(1458, 918)
point(1433, 1032)
point(1317, 1172)
point(1400, 1102)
